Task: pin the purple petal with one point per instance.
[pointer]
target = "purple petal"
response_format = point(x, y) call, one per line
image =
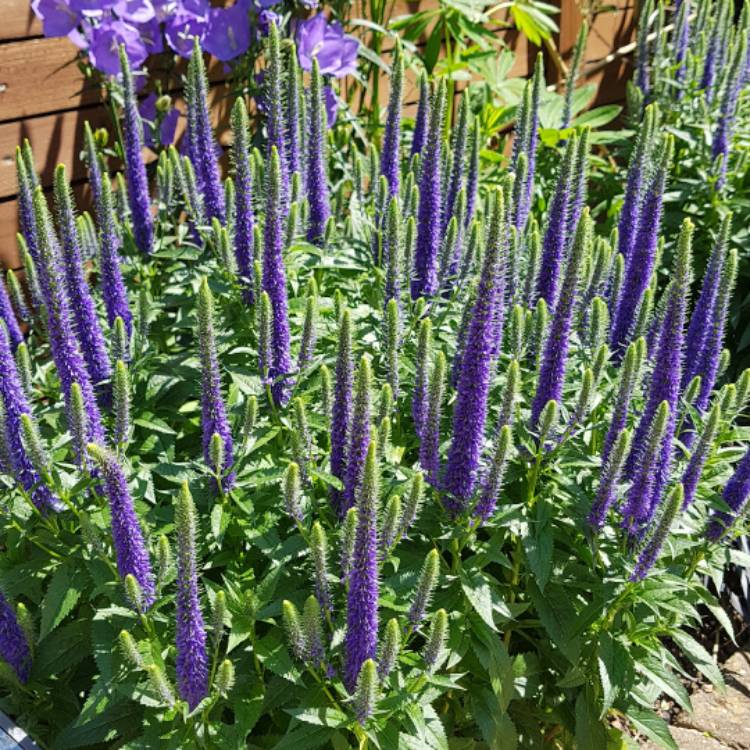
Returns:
point(58, 18)
point(169, 127)
point(228, 34)
point(180, 30)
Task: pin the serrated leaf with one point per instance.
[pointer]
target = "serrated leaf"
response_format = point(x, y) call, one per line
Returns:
point(62, 594)
point(698, 655)
point(590, 731)
point(479, 594)
point(653, 726)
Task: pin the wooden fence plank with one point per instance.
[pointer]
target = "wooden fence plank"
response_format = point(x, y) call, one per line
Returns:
point(19, 20)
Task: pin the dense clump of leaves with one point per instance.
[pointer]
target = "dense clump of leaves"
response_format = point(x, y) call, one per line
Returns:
point(423, 536)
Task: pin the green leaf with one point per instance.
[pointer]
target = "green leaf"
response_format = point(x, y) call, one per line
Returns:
point(323, 717)
point(62, 595)
point(599, 116)
point(615, 667)
point(666, 680)
point(698, 655)
point(305, 736)
point(538, 546)
point(653, 726)
point(590, 731)
point(556, 613)
point(479, 594)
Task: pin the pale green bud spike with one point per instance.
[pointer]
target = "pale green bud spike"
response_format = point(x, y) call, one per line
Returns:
point(121, 398)
point(160, 685)
point(548, 420)
point(130, 650)
point(392, 345)
point(366, 692)
point(312, 627)
point(599, 323)
point(518, 332)
point(743, 389)
point(410, 238)
point(120, 343)
point(78, 422)
point(428, 579)
point(32, 278)
point(218, 617)
point(264, 334)
point(330, 231)
point(23, 364)
point(385, 403)
point(145, 308)
point(250, 417)
point(435, 648)
point(339, 304)
point(133, 592)
point(724, 359)
point(600, 359)
point(510, 394)
point(584, 397)
point(307, 341)
point(447, 248)
point(192, 196)
point(26, 621)
point(163, 560)
point(5, 459)
point(292, 224)
point(393, 242)
point(230, 203)
point(293, 627)
point(383, 437)
point(301, 440)
point(391, 523)
point(216, 453)
point(348, 536)
point(319, 554)
point(727, 399)
point(32, 441)
point(293, 492)
point(692, 390)
point(17, 298)
point(225, 678)
point(391, 649)
point(541, 323)
point(617, 277)
point(413, 503)
point(326, 391)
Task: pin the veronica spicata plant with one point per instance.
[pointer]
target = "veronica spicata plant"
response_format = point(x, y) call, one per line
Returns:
point(340, 498)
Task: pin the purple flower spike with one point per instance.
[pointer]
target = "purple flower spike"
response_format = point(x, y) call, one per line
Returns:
point(555, 354)
point(637, 173)
point(135, 169)
point(113, 288)
point(190, 636)
point(693, 471)
point(456, 177)
point(361, 639)
point(423, 116)
point(681, 40)
point(127, 535)
point(274, 283)
point(555, 237)
point(244, 219)
point(15, 403)
point(213, 411)
point(341, 417)
point(641, 261)
point(8, 316)
point(702, 318)
point(390, 159)
point(736, 494)
point(709, 361)
point(470, 410)
point(14, 648)
point(317, 179)
point(65, 351)
point(90, 336)
point(359, 435)
point(667, 375)
point(425, 280)
point(26, 205)
point(201, 137)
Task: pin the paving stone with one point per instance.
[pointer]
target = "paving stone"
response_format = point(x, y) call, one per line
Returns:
point(690, 739)
point(726, 717)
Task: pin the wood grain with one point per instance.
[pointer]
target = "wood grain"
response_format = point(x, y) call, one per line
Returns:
point(19, 20)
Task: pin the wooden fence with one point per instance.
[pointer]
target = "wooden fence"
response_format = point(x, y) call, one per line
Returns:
point(44, 96)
